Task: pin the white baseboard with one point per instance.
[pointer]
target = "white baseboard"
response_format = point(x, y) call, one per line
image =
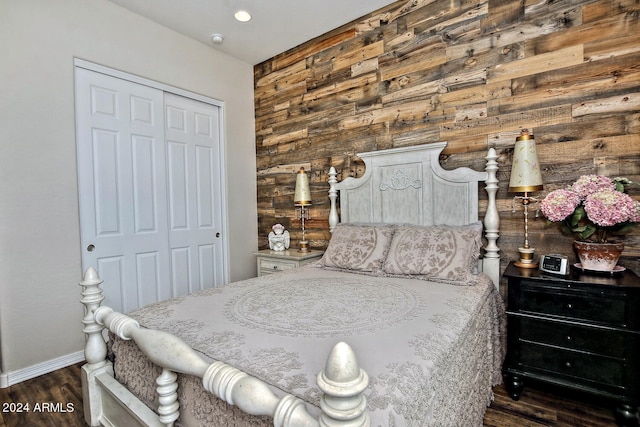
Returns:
point(8, 379)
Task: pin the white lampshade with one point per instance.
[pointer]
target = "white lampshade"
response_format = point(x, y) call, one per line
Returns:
point(525, 169)
point(302, 194)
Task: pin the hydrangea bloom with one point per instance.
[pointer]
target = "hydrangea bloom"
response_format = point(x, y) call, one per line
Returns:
point(559, 204)
point(636, 213)
point(609, 207)
point(594, 205)
point(589, 184)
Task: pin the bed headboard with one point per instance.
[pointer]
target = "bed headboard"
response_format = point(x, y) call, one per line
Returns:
point(408, 185)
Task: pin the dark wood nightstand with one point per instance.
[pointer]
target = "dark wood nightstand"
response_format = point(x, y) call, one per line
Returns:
point(580, 331)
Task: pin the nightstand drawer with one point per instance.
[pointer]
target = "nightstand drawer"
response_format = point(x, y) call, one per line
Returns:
point(572, 336)
point(573, 305)
point(579, 366)
point(274, 261)
point(273, 265)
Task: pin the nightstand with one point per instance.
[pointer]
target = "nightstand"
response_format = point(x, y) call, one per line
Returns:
point(580, 331)
point(273, 261)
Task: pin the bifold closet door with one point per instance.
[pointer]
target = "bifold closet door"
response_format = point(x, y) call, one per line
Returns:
point(150, 211)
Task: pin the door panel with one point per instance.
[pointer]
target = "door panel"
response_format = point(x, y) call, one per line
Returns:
point(122, 185)
point(194, 168)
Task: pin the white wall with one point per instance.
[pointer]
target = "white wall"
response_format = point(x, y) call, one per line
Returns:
point(40, 262)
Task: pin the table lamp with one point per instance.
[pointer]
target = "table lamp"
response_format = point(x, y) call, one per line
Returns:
point(525, 178)
point(302, 201)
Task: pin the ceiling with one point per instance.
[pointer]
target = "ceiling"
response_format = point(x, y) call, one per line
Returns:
point(276, 25)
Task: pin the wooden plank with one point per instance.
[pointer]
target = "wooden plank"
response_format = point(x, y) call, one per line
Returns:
point(537, 64)
point(475, 143)
point(574, 151)
point(471, 112)
point(475, 94)
point(265, 101)
point(312, 47)
point(613, 104)
point(284, 169)
point(384, 114)
point(404, 38)
point(609, 27)
point(481, 10)
point(502, 13)
point(427, 59)
point(593, 127)
point(570, 10)
point(632, 122)
point(290, 136)
point(347, 59)
point(512, 33)
point(586, 81)
point(406, 8)
point(621, 44)
point(523, 119)
point(421, 90)
point(296, 68)
point(605, 8)
point(622, 69)
point(364, 67)
point(357, 81)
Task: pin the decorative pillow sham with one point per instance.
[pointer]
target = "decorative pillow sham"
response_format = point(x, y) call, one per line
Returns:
point(356, 247)
point(436, 253)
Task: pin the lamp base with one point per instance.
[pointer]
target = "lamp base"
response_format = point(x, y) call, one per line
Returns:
point(304, 246)
point(526, 258)
point(526, 265)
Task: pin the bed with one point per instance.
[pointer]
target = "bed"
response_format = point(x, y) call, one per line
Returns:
point(399, 324)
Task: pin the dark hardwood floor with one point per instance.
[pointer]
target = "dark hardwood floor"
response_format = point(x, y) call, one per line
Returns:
point(56, 400)
point(538, 408)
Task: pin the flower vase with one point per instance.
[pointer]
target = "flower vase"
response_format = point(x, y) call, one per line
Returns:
point(598, 256)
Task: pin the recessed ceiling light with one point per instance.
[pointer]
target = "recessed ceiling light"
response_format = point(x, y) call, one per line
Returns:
point(242, 15)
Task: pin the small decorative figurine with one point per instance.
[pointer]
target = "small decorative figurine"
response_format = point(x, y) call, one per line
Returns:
point(279, 238)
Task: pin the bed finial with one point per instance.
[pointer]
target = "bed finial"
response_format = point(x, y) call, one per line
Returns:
point(343, 382)
point(333, 195)
point(95, 350)
point(491, 262)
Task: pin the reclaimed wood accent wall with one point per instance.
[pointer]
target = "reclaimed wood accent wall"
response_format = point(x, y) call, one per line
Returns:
point(472, 73)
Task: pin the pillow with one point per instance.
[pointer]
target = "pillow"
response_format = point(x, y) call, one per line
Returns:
point(437, 253)
point(358, 247)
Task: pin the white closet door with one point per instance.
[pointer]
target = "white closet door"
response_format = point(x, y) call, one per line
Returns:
point(122, 188)
point(195, 203)
point(150, 190)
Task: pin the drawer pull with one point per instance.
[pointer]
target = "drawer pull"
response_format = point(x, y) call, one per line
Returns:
point(275, 267)
point(569, 306)
point(568, 365)
point(568, 337)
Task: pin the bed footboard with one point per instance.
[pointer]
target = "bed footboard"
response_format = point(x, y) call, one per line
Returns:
point(107, 402)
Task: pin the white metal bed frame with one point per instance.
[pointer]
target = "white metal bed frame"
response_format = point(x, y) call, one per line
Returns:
point(405, 185)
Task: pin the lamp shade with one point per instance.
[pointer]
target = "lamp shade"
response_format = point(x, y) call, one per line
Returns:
point(525, 169)
point(302, 194)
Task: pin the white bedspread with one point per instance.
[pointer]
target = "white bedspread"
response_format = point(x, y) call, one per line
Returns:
point(432, 350)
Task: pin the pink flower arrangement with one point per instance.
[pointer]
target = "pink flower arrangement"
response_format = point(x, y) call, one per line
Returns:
point(593, 208)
